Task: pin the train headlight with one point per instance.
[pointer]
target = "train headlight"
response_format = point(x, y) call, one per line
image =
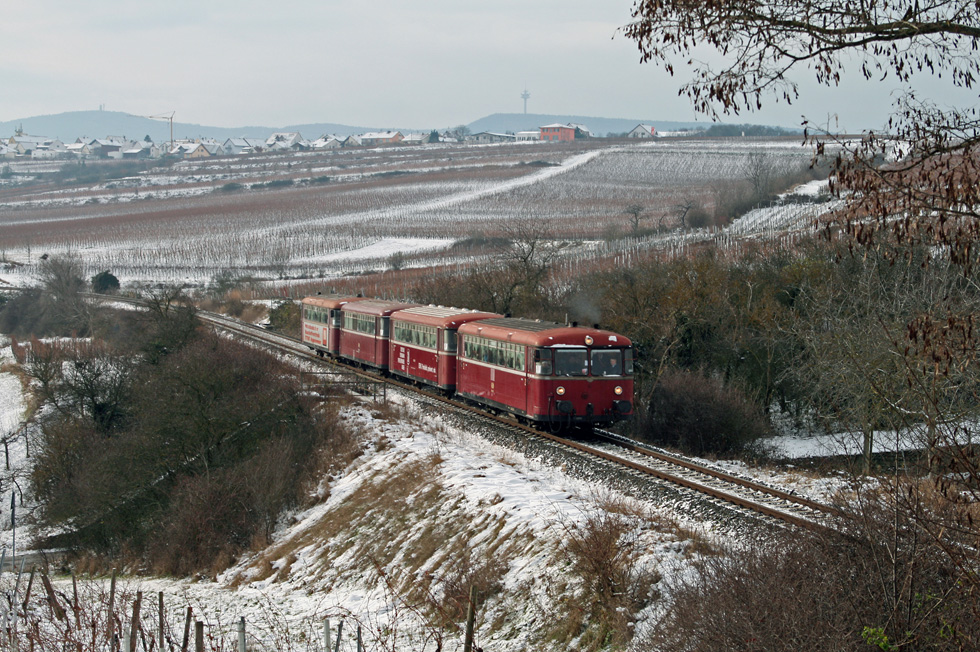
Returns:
point(618, 391)
point(560, 391)
point(588, 340)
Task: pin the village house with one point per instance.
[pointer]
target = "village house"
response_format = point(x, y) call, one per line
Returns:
point(558, 132)
point(642, 131)
point(285, 141)
point(490, 137)
point(327, 142)
point(375, 138)
point(415, 139)
point(236, 146)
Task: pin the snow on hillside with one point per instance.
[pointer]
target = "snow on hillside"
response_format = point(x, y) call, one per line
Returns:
point(427, 501)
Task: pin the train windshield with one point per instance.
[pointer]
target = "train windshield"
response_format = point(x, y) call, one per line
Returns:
point(607, 362)
point(571, 362)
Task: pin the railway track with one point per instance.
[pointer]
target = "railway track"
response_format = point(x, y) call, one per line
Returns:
point(739, 494)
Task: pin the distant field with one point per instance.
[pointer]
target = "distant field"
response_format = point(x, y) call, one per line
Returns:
point(324, 215)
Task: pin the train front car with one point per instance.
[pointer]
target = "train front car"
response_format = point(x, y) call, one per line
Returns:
point(547, 373)
point(322, 321)
point(423, 343)
point(366, 331)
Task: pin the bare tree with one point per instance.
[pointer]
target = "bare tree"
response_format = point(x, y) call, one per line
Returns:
point(635, 213)
point(759, 171)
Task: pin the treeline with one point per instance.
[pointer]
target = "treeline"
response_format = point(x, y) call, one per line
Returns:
point(162, 443)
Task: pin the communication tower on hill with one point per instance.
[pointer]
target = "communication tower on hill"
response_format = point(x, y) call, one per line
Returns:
point(525, 95)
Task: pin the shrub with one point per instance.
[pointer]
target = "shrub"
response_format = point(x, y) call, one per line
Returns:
point(887, 584)
point(284, 317)
point(105, 282)
point(700, 415)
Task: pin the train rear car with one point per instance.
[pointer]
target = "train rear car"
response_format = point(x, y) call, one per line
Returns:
point(322, 321)
point(366, 331)
point(547, 373)
point(423, 343)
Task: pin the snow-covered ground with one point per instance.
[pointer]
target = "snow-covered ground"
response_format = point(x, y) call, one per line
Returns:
point(491, 501)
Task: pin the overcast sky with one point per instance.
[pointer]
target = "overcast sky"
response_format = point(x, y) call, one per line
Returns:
point(383, 63)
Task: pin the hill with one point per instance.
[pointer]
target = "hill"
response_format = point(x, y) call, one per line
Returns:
point(71, 125)
point(514, 122)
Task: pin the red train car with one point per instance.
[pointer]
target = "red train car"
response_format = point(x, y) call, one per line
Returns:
point(423, 343)
point(366, 331)
point(546, 372)
point(322, 320)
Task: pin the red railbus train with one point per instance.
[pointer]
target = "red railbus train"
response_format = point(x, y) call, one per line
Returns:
point(544, 373)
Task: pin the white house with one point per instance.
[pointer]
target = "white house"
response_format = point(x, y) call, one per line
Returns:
point(491, 137)
point(286, 140)
point(327, 142)
point(642, 131)
point(235, 146)
point(528, 136)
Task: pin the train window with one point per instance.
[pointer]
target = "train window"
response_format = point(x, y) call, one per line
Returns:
point(628, 362)
point(335, 318)
point(385, 326)
point(607, 362)
point(449, 341)
point(571, 362)
point(542, 362)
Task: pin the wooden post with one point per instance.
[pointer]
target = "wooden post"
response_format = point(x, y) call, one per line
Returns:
point(74, 601)
point(112, 612)
point(187, 629)
point(199, 636)
point(340, 630)
point(134, 626)
point(241, 635)
point(56, 607)
point(160, 614)
point(27, 593)
point(360, 644)
point(470, 618)
point(326, 635)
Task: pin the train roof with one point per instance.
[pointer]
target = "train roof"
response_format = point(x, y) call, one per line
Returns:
point(330, 300)
point(441, 316)
point(542, 333)
point(378, 307)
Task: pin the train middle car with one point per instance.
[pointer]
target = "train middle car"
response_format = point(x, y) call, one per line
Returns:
point(546, 373)
point(366, 332)
point(423, 343)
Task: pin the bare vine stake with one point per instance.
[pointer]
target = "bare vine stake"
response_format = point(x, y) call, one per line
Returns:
point(241, 635)
point(360, 644)
point(134, 626)
point(74, 600)
point(160, 613)
point(470, 618)
point(187, 629)
point(27, 593)
point(56, 607)
point(199, 636)
point(326, 634)
point(112, 615)
point(340, 630)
